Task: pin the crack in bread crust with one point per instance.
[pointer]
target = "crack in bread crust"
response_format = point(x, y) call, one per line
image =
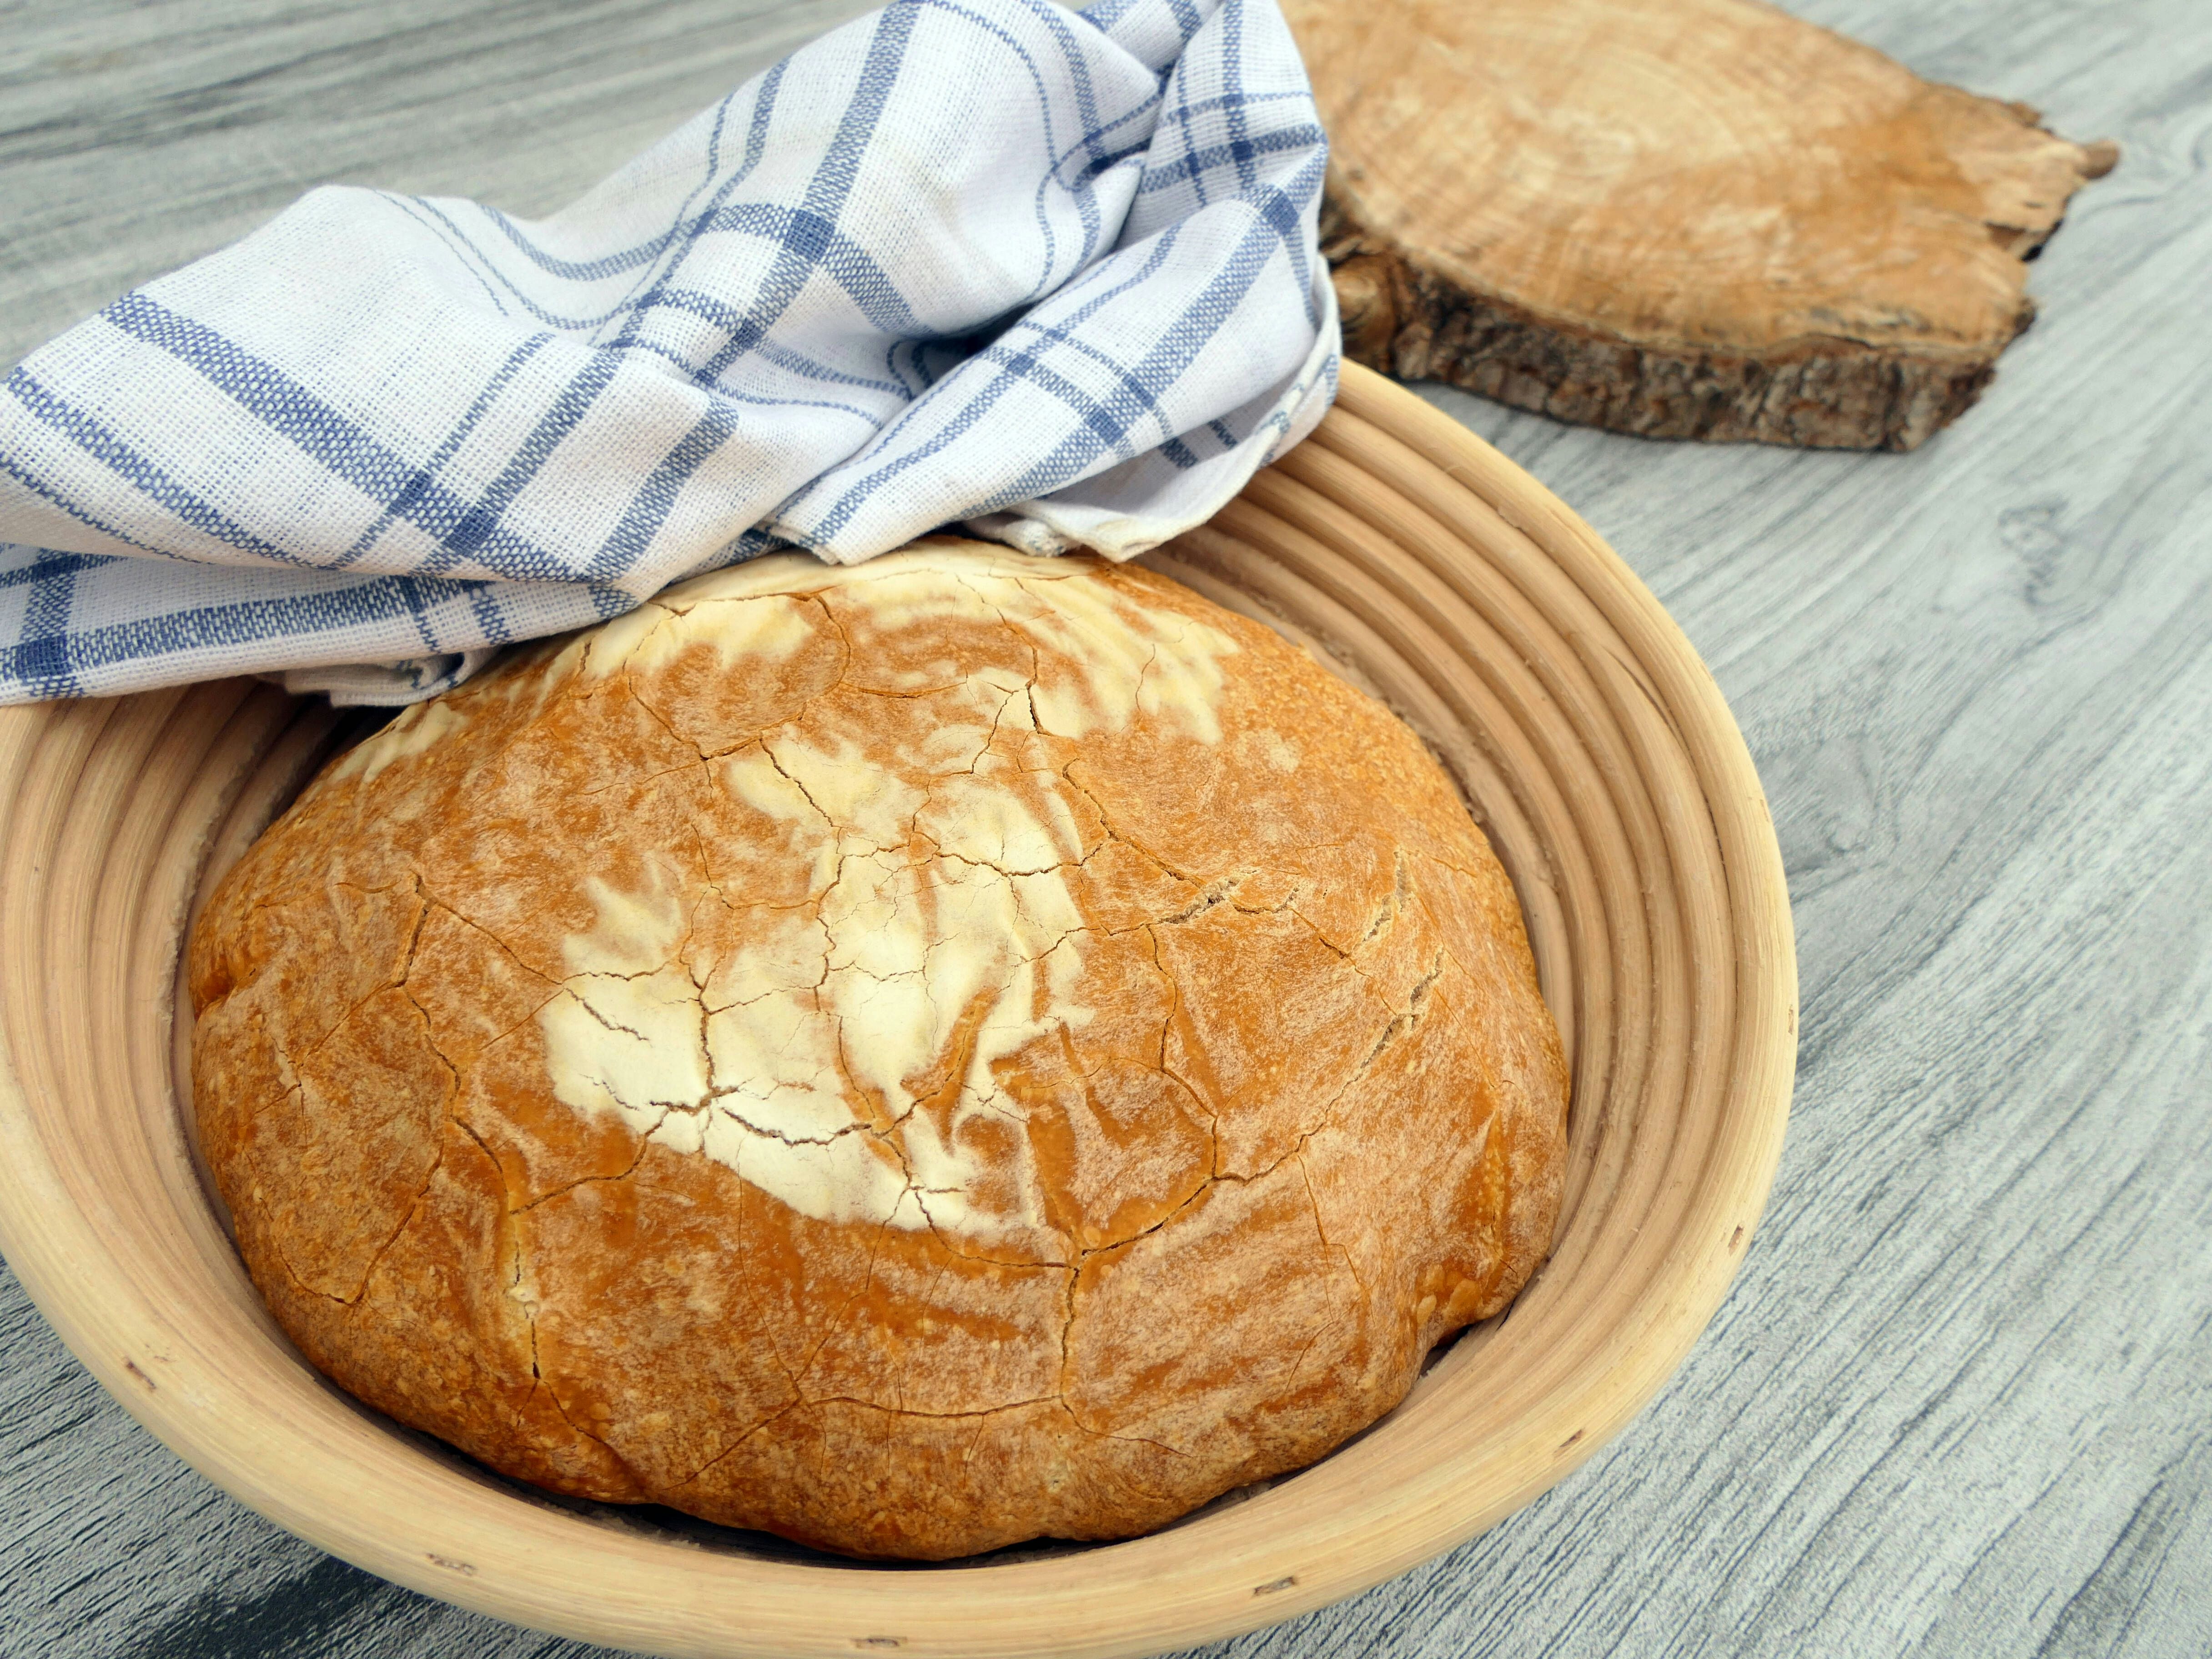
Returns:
point(914, 1057)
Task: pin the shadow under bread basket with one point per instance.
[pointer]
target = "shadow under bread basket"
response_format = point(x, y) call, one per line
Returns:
point(1597, 754)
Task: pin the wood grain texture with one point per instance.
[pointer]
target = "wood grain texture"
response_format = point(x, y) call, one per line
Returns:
point(1957, 1402)
point(1688, 219)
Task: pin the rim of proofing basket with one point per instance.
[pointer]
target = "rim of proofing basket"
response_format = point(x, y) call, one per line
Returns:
point(1598, 755)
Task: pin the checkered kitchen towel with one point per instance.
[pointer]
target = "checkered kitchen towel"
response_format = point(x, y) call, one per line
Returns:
point(1051, 273)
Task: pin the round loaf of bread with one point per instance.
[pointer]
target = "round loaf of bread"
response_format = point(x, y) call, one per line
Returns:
point(913, 1057)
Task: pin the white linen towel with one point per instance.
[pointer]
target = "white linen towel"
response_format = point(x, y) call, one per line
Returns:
point(1051, 274)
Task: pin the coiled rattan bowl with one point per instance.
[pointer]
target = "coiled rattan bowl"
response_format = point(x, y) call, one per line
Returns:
point(1596, 750)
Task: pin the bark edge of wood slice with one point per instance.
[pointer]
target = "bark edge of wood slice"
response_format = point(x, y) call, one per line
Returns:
point(1675, 218)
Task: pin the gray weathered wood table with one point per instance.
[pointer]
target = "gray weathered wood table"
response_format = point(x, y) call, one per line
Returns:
point(1961, 1399)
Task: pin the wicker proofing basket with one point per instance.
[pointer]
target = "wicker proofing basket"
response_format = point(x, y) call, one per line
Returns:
point(1598, 754)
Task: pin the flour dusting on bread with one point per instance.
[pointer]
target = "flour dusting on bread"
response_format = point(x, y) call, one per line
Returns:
point(944, 929)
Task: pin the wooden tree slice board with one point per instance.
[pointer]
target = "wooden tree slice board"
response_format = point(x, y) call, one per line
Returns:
point(1677, 218)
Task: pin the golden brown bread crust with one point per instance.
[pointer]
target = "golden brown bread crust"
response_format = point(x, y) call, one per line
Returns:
point(913, 1058)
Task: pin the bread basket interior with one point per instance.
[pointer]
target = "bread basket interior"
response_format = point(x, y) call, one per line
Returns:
point(1592, 746)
